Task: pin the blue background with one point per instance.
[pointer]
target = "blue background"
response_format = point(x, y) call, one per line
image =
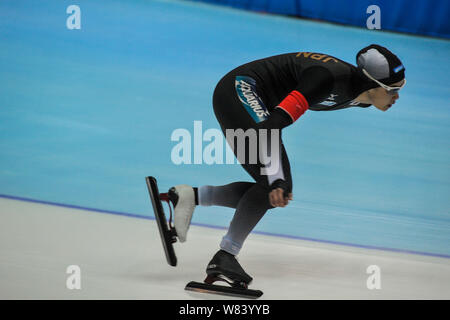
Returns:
point(426, 17)
point(86, 114)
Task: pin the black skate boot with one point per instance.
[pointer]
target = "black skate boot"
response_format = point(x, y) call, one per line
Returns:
point(225, 267)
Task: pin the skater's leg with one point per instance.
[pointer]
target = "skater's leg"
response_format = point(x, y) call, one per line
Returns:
point(250, 209)
point(224, 196)
point(252, 206)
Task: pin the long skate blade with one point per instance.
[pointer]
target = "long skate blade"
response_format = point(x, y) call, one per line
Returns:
point(223, 290)
point(167, 237)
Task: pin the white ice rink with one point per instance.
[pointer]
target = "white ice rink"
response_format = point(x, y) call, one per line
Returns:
point(122, 258)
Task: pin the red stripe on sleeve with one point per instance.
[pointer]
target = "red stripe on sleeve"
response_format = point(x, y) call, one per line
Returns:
point(294, 104)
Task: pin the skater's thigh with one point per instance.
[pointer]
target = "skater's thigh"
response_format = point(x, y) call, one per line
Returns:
point(259, 171)
point(234, 121)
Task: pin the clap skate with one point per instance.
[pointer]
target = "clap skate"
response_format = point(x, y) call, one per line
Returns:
point(182, 198)
point(225, 268)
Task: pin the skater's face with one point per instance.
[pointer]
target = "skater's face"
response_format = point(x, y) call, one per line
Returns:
point(382, 98)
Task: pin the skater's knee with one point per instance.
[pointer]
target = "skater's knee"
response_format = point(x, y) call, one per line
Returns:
point(257, 196)
point(270, 197)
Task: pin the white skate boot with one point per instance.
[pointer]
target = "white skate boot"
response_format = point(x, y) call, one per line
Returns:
point(183, 199)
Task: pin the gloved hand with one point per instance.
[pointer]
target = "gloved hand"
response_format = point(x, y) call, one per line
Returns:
point(279, 194)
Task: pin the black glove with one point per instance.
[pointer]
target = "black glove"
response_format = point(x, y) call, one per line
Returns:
point(279, 183)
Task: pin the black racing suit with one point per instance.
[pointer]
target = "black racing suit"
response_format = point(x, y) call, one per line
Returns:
point(271, 94)
point(326, 83)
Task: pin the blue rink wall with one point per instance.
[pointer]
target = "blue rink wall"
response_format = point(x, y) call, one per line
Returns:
point(423, 17)
point(86, 114)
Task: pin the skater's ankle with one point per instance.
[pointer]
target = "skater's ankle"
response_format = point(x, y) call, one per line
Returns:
point(223, 251)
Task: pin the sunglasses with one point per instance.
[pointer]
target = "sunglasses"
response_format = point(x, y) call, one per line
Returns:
point(390, 90)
